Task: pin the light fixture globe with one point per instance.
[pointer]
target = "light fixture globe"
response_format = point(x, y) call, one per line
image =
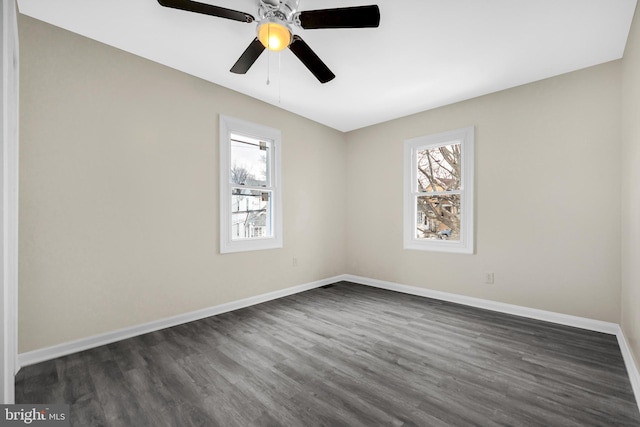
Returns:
point(274, 34)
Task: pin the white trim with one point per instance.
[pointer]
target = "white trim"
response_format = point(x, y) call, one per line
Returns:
point(229, 125)
point(41, 355)
point(44, 354)
point(630, 364)
point(9, 201)
point(531, 313)
point(517, 310)
point(466, 138)
point(48, 353)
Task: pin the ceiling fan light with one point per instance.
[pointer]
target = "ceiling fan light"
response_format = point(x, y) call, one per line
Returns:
point(274, 35)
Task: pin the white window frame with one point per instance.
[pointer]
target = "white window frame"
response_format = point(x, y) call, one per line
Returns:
point(228, 126)
point(464, 136)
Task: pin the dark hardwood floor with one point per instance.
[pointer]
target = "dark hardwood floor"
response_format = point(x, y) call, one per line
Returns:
point(346, 355)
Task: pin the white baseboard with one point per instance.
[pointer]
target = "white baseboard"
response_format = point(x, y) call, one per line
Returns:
point(517, 310)
point(48, 353)
point(532, 313)
point(629, 362)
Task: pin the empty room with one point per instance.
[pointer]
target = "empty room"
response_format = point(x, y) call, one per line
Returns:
point(321, 213)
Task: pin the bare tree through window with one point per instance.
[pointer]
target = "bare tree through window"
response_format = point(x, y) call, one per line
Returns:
point(439, 179)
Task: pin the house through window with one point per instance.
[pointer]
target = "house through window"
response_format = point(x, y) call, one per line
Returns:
point(251, 194)
point(249, 186)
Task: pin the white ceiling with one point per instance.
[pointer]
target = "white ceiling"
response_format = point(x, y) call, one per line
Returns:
point(425, 54)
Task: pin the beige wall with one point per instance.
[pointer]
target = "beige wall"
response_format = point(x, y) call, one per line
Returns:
point(119, 192)
point(631, 190)
point(547, 190)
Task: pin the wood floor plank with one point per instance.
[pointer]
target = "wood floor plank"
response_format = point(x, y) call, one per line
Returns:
point(345, 355)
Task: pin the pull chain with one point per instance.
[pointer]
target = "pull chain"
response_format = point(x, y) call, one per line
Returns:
point(268, 67)
point(268, 53)
point(279, 78)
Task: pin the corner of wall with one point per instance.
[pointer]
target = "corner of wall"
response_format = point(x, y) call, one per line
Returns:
point(630, 210)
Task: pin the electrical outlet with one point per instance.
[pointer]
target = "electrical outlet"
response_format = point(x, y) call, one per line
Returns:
point(488, 278)
point(294, 263)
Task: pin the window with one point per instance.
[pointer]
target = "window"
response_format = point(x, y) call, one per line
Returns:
point(250, 194)
point(438, 192)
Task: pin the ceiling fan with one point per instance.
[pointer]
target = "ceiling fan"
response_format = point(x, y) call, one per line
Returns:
point(276, 19)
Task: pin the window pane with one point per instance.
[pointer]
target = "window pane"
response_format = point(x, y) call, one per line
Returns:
point(250, 213)
point(439, 168)
point(249, 161)
point(438, 217)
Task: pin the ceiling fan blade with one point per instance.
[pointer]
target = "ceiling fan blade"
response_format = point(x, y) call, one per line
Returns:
point(344, 17)
point(207, 9)
point(311, 60)
point(248, 57)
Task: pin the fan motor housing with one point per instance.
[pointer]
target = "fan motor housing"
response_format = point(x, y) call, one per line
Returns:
point(280, 9)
